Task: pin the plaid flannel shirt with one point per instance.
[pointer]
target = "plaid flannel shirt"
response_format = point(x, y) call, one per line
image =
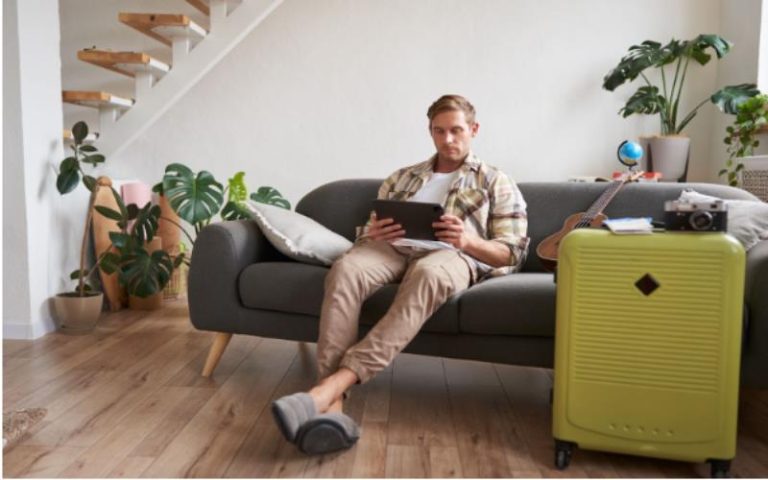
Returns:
point(488, 201)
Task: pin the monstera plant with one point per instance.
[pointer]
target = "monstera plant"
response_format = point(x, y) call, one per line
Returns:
point(142, 272)
point(197, 197)
point(662, 94)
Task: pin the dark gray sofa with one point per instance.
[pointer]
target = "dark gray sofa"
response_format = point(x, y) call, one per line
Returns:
point(239, 283)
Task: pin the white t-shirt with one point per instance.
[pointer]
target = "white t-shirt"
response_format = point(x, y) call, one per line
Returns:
point(435, 190)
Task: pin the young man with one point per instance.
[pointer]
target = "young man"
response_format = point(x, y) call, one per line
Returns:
point(483, 233)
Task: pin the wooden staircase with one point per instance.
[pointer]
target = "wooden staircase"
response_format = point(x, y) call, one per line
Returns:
point(195, 49)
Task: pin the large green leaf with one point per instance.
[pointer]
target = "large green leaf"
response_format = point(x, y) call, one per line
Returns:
point(235, 211)
point(640, 57)
point(143, 274)
point(646, 100)
point(270, 196)
point(147, 219)
point(729, 98)
point(696, 48)
point(238, 191)
point(196, 199)
point(108, 212)
point(79, 132)
point(69, 175)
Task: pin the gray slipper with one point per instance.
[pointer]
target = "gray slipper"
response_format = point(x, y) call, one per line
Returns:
point(327, 433)
point(291, 412)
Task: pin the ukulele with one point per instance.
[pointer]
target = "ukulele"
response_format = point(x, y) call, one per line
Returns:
point(547, 248)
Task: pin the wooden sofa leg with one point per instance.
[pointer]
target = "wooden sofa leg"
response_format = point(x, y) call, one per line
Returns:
point(220, 342)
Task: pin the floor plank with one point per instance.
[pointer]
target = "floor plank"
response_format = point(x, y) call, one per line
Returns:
point(128, 400)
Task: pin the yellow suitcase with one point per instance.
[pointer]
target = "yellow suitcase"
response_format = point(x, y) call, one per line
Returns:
point(647, 345)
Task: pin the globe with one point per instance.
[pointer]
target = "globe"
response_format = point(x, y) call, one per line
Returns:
point(629, 153)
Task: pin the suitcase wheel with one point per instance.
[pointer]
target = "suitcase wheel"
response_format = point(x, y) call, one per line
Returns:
point(563, 452)
point(720, 468)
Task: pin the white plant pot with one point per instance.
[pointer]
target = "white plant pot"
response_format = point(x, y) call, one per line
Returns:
point(669, 155)
point(77, 315)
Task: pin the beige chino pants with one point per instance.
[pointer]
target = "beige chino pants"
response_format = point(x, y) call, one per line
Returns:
point(427, 280)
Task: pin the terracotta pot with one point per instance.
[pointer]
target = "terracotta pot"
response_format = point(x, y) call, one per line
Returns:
point(166, 230)
point(75, 314)
point(152, 302)
point(669, 156)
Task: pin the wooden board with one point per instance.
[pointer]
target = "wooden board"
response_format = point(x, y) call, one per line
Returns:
point(102, 225)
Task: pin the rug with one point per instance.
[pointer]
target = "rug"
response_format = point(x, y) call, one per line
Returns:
point(17, 423)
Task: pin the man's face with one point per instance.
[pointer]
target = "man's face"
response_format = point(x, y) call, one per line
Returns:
point(452, 135)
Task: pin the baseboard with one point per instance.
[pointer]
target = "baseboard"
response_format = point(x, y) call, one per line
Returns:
point(25, 330)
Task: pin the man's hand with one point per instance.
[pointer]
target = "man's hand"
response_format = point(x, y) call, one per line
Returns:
point(450, 229)
point(385, 229)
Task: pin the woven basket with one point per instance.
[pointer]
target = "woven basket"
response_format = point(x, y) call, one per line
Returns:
point(754, 177)
point(177, 286)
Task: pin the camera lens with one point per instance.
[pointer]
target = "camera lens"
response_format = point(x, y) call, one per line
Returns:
point(700, 220)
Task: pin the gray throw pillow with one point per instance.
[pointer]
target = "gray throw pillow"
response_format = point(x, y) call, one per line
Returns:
point(747, 219)
point(297, 236)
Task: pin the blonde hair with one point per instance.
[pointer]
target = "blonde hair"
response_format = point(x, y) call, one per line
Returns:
point(452, 103)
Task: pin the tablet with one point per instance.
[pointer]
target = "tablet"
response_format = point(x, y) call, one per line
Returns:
point(415, 217)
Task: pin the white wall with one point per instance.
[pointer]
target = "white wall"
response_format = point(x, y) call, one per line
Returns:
point(740, 22)
point(338, 89)
point(16, 308)
point(37, 241)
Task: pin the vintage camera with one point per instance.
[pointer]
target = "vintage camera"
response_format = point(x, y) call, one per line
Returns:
point(695, 216)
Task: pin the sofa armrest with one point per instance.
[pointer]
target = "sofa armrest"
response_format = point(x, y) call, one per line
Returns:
point(755, 358)
point(221, 252)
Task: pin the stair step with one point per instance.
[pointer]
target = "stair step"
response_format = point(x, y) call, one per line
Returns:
point(163, 27)
point(69, 138)
point(204, 5)
point(126, 63)
point(95, 99)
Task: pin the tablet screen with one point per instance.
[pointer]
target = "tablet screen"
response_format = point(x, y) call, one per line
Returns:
point(415, 217)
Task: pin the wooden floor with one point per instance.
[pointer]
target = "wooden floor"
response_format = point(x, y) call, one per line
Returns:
point(129, 401)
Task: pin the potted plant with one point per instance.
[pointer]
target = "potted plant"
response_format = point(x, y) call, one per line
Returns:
point(669, 151)
point(143, 268)
point(741, 139)
point(78, 311)
point(198, 198)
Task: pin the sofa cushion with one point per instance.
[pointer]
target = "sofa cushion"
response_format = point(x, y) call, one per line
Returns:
point(293, 287)
point(516, 304)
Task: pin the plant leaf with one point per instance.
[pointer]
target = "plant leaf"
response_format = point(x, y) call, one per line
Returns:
point(238, 192)
point(119, 240)
point(76, 274)
point(729, 98)
point(196, 199)
point(67, 180)
point(89, 148)
point(640, 57)
point(90, 182)
point(79, 132)
point(146, 222)
point(695, 48)
point(235, 211)
point(108, 212)
point(93, 159)
point(646, 100)
point(144, 274)
point(270, 196)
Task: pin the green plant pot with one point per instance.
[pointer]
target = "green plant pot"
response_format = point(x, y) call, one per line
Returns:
point(75, 314)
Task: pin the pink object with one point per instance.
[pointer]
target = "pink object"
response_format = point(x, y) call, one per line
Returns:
point(136, 192)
